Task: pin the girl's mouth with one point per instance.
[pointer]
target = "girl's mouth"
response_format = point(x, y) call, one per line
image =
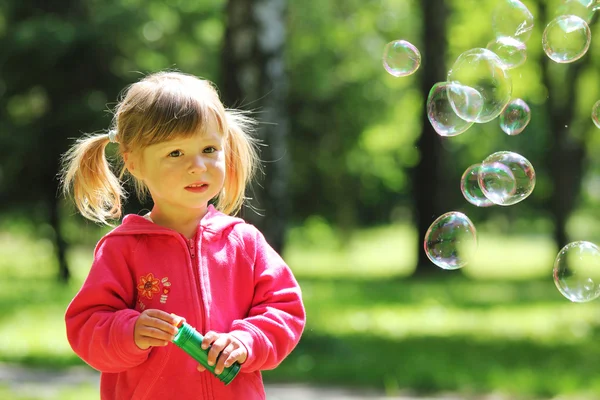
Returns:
point(197, 188)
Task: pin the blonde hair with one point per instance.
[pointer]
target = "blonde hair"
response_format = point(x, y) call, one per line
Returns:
point(160, 107)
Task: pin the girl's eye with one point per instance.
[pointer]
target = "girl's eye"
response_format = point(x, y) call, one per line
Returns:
point(210, 150)
point(176, 153)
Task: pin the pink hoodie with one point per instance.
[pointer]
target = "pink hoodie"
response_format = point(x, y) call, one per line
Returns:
point(227, 280)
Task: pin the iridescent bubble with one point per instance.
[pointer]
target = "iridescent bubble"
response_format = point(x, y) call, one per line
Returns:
point(506, 178)
point(482, 70)
point(596, 114)
point(469, 186)
point(401, 58)
point(566, 39)
point(512, 18)
point(511, 52)
point(577, 271)
point(515, 117)
point(594, 5)
point(496, 181)
point(440, 113)
point(451, 240)
point(467, 102)
point(583, 9)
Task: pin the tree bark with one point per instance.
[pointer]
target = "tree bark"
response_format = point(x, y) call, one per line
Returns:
point(426, 176)
point(254, 74)
point(566, 154)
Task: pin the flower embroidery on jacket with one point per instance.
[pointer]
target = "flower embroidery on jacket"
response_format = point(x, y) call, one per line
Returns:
point(148, 285)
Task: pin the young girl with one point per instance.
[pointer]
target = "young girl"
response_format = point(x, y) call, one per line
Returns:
point(184, 259)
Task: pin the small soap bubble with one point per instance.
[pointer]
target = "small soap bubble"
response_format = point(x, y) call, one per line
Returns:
point(515, 117)
point(467, 102)
point(469, 186)
point(440, 113)
point(482, 70)
point(511, 52)
point(577, 271)
point(506, 178)
point(451, 241)
point(401, 58)
point(596, 114)
point(511, 18)
point(566, 39)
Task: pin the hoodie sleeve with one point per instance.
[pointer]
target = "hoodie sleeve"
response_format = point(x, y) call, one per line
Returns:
point(277, 317)
point(100, 318)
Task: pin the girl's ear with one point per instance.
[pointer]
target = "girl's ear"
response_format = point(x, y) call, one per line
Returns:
point(131, 164)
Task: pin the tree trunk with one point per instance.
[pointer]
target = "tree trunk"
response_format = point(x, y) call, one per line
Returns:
point(566, 154)
point(254, 73)
point(426, 175)
point(60, 246)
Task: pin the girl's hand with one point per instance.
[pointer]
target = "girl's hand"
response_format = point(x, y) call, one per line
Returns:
point(224, 346)
point(154, 328)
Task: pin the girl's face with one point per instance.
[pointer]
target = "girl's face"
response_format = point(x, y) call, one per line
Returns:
point(182, 175)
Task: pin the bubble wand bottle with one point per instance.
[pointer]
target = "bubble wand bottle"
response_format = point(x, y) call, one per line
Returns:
point(190, 341)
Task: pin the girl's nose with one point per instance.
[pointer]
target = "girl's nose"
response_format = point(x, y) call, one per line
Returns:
point(197, 165)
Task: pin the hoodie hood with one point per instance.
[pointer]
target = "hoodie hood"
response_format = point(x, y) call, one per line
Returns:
point(213, 225)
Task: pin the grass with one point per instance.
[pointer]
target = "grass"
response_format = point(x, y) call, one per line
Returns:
point(499, 326)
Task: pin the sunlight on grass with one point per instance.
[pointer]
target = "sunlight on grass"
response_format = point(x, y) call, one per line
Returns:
point(378, 252)
point(543, 323)
point(36, 329)
point(76, 392)
point(392, 251)
point(516, 257)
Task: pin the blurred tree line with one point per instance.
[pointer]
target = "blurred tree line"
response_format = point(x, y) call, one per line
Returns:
point(345, 141)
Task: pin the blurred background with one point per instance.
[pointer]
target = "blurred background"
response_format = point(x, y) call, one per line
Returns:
point(354, 176)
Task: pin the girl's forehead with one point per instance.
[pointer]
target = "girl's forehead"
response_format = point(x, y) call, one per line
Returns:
point(204, 135)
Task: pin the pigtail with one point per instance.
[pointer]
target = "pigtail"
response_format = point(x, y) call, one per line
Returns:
point(242, 160)
point(86, 174)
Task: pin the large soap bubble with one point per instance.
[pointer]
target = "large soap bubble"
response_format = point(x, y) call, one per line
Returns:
point(482, 70)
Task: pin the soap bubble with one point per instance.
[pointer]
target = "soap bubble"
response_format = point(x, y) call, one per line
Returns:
point(467, 102)
point(496, 181)
point(596, 114)
point(451, 241)
point(511, 52)
point(401, 58)
point(512, 18)
point(577, 271)
point(482, 70)
point(515, 117)
point(506, 178)
point(583, 9)
point(566, 39)
point(469, 186)
point(441, 114)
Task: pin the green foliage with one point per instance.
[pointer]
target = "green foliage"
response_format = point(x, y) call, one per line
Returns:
point(356, 124)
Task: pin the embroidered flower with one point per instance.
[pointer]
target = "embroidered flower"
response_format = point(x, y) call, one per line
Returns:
point(148, 285)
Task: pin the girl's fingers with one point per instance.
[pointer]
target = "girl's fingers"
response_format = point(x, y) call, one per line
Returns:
point(154, 342)
point(235, 355)
point(225, 355)
point(209, 338)
point(155, 333)
point(216, 349)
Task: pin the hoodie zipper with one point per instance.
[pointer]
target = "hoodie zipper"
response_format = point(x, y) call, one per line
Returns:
point(196, 269)
point(192, 248)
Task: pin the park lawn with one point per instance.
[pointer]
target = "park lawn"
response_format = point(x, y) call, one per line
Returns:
point(499, 325)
